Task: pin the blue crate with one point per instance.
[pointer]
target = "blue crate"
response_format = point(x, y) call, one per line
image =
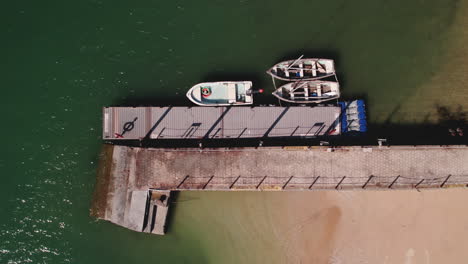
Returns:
point(363, 128)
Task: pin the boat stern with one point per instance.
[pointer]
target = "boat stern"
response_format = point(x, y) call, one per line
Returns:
point(329, 65)
point(248, 92)
point(335, 87)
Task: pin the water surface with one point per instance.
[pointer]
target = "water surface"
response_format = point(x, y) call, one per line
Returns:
point(63, 61)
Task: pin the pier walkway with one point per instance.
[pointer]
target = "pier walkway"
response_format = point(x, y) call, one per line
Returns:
point(127, 174)
point(296, 168)
point(160, 123)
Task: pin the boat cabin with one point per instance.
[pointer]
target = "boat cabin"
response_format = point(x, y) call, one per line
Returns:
point(221, 93)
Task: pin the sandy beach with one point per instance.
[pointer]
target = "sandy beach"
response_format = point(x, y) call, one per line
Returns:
point(329, 227)
point(430, 226)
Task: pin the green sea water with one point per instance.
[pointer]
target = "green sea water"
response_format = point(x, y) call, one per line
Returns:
point(62, 61)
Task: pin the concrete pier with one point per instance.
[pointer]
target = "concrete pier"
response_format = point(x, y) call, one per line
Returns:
point(117, 200)
point(129, 177)
point(272, 168)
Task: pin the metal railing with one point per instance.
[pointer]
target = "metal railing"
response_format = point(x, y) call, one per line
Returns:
point(292, 182)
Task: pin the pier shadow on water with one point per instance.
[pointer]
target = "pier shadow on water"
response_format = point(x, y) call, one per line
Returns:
point(450, 118)
point(173, 200)
point(450, 129)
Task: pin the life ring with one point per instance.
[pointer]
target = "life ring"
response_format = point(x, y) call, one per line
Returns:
point(205, 91)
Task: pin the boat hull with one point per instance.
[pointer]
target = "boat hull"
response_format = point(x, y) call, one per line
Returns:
point(303, 69)
point(308, 92)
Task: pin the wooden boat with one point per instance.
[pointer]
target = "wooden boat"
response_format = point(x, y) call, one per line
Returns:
point(303, 69)
point(304, 92)
point(221, 93)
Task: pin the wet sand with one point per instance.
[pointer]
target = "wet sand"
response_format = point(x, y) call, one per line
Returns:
point(405, 226)
point(373, 226)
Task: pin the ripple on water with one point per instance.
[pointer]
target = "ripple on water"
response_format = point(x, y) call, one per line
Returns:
point(39, 221)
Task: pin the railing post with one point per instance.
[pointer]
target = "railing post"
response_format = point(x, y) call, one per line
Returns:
point(234, 182)
point(338, 185)
point(260, 183)
point(290, 178)
point(182, 182)
point(316, 179)
point(416, 186)
point(206, 184)
point(393, 182)
point(446, 180)
point(368, 180)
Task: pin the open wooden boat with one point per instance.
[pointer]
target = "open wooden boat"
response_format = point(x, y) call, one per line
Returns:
point(221, 93)
point(304, 92)
point(303, 69)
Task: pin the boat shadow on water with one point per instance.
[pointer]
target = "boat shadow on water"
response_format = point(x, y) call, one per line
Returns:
point(174, 198)
point(154, 101)
point(257, 79)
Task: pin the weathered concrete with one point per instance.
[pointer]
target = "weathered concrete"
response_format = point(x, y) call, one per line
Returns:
point(126, 171)
point(157, 212)
point(118, 201)
point(135, 211)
